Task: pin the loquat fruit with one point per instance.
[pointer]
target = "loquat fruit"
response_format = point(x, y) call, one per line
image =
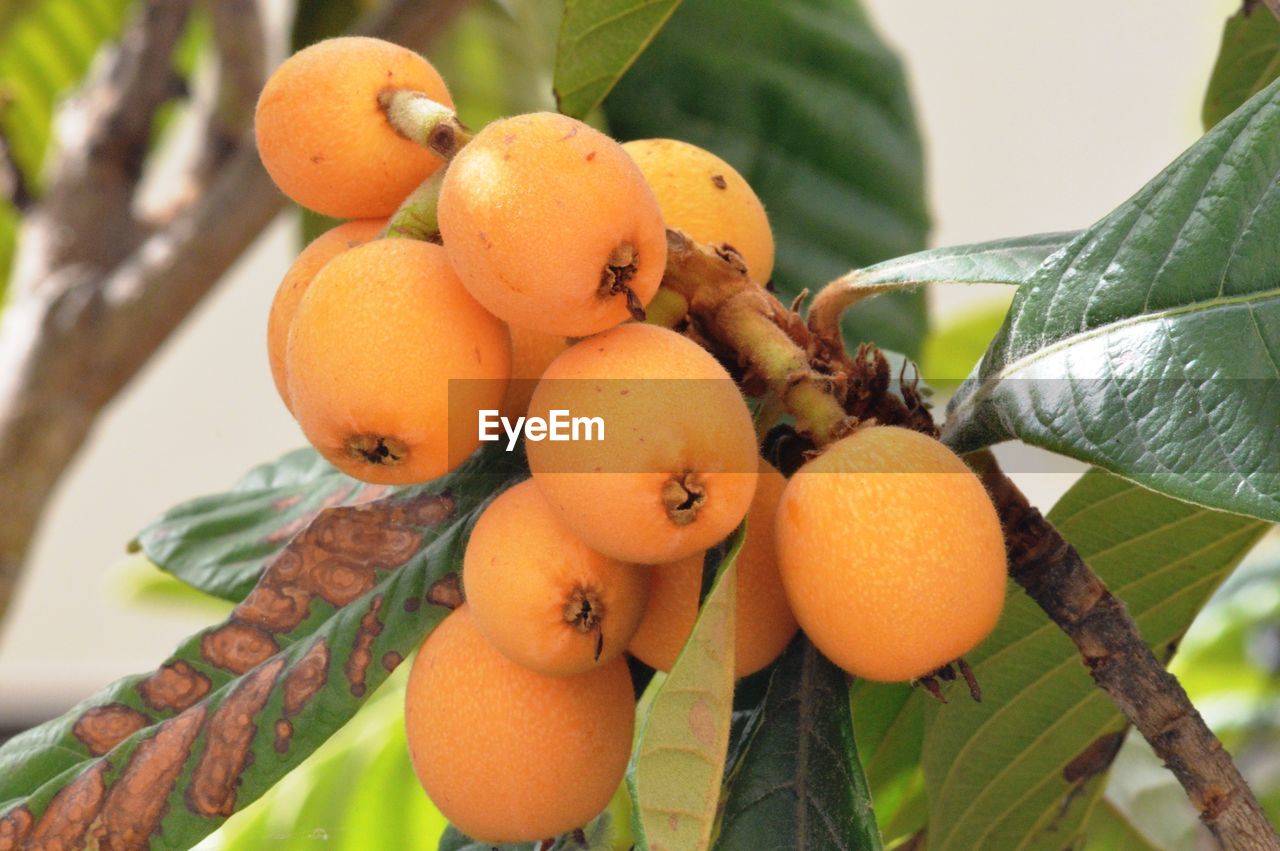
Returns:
point(313, 258)
point(322, 133)
point(544, 598)
point(707, 198)
point(676, 468)
point(551, 226)
point(763, 623)
point(891, 554)
point(389, 361)
point(508, 754)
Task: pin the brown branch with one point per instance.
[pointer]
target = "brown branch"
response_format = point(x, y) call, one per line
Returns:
point(1054, 575)
point(239, 38)
point(96, 291)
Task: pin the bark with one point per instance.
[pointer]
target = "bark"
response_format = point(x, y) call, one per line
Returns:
point(97, 285)
point(1054, 575)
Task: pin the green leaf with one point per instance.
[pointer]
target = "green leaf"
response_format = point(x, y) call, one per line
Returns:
point(1150, 346)
point(1248, 61)
point(957, 342)
point(806, 101)
point(682, 732)
point(173, 753)
point(1110, 830)
point(316, 804)
point(1022, 768)
point(1000, 261)
point(599, 41)
point(888, 720)
point(45, 49)
point(220, 543)
point(799, 783)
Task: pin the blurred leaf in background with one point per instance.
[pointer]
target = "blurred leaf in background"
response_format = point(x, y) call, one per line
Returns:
point(1248, 61)
point(820, 123)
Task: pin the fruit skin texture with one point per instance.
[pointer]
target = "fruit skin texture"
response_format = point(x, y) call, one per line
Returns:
point(891, 554)
point(507, 754)
point(532, 212)
point(763, 623)
point(676, 430)
point(323, 136)
point(707, 198)
point(377, 337)
point(531, 353)
point(527, 579)
point(313, 258)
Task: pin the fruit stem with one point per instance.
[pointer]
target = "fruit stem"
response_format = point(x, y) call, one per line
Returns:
point(837, 297)
point(417, 218)
point(420, 119)
point(668, 308)
point(740, 315)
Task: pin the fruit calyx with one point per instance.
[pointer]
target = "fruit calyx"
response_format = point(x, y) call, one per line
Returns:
point(684, 495)
point(618, 271)
point(585, 612)
point(377, 449)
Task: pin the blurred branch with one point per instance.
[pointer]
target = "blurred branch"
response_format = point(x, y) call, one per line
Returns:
point(1054, 575)
point(96, 290)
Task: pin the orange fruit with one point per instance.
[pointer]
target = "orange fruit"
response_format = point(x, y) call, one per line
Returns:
point(531, 353)
point(551, 226)
point(544, 598)
point(763, 623)
point(313, 258)
point(676, 469)
point(707, 198)
point(508, 754)
point(323, 136)
point(891, 554)
point(390, 361)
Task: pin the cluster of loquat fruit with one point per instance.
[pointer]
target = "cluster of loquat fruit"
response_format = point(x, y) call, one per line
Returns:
point(551, 241)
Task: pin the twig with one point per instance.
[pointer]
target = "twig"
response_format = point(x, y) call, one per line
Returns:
point(96, 290)
point(1054, 575)
point(238, 35)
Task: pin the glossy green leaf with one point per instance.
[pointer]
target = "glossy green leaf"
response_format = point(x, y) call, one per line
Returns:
point(1248, 61)
point(1022, 768)
point(819, 122)
point(317, 805)
point(220, 543)
point(798, 783)
point(1000, 261)
point(1150, 346)
point(682, 728)
point(171, 754)
point(599, 41)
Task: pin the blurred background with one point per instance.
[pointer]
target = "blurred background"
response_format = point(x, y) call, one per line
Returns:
point(1035, 117)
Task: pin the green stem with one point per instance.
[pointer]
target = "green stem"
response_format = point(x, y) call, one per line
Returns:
point(741, 316)
point(420, 119)
point(416, 218)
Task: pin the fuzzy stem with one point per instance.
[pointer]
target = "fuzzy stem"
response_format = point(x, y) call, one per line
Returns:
point(741, 316)
point(420, 119)
point(668, 308)
point(837, 297)
point(416, 218)
point(1054, 575)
